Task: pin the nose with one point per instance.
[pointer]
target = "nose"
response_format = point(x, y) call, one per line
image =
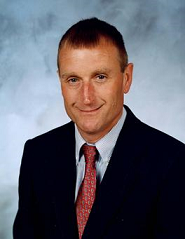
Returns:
point(87, 93)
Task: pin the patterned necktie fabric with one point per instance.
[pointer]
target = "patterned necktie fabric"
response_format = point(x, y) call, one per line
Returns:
point(87, 191)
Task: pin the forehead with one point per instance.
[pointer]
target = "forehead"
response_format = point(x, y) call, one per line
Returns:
point(105, 53)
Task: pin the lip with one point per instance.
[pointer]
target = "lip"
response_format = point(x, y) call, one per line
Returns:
point(91, 111)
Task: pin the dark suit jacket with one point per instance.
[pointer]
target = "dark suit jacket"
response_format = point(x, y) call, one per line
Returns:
point(142, 194)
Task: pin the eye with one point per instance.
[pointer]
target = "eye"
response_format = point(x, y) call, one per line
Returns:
point(101, 78)
point(73, 81)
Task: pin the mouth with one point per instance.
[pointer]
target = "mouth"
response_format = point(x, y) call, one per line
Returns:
point(90, 111)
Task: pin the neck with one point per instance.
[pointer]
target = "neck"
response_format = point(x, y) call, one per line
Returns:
point(90, 138)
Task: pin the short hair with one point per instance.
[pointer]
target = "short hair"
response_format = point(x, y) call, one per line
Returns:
point(88, 33)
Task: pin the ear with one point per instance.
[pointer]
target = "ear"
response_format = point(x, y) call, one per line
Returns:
point(127, 77)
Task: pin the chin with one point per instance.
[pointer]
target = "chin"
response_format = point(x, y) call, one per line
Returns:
point(89, 128)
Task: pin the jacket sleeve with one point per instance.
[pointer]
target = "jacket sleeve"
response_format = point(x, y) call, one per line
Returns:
point(171, 205)
point(25, 221)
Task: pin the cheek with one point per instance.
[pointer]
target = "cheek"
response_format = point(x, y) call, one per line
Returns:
point(68, 95)
point(114, 94)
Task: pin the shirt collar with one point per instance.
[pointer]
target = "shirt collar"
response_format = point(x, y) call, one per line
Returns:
point(106, 144)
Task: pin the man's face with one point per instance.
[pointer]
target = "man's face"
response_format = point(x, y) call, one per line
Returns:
point(93, 86)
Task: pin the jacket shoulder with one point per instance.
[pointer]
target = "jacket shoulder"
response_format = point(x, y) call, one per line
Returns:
point(159, 138)
point(63, 135)
point(147, 135)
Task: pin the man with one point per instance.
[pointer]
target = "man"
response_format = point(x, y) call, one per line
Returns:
point(105, 174)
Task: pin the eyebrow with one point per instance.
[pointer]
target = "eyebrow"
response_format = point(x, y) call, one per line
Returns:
point(95, 72)
point(65, 75)
point(102, 70)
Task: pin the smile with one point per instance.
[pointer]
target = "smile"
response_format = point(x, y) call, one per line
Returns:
point(90, 111)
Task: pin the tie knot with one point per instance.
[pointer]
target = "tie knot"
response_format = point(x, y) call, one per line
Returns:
point(89, 153)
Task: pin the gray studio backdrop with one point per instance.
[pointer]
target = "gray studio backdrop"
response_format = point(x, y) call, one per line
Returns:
point(30, 99)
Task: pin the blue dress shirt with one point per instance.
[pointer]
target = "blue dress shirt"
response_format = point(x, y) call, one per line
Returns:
point(105, 148)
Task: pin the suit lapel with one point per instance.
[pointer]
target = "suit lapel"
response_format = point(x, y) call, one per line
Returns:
point(63, 174)
point(118, 179)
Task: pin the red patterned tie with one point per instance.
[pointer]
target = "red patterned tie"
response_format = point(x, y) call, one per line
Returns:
point(86, 194)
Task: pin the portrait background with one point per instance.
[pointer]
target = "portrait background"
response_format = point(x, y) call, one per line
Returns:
point(30, 97)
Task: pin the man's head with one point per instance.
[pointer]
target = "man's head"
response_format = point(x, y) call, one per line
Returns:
point(94, 75)
point(89, 32)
